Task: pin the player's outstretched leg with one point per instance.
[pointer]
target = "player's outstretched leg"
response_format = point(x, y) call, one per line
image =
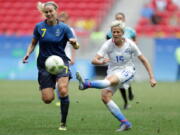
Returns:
point(85, 83)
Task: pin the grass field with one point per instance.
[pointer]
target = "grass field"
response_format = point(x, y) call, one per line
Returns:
point(155, 111)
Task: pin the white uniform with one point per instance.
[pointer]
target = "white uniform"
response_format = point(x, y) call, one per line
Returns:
point(120, 63)
point(68, 48)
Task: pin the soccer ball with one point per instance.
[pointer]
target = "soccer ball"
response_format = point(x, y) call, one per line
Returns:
point(54, 64)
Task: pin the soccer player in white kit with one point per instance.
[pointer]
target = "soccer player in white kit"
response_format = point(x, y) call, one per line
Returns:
point(120, 73)
point(129, 33)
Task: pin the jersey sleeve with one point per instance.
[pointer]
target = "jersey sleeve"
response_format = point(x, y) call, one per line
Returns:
point(69, 33)
point(36, 34)
point(103, 50)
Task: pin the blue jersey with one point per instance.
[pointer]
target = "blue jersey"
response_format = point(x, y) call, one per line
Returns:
point(128, 33)
point(52, 40)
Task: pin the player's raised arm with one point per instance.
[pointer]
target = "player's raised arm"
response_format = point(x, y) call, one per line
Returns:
point(30, 49)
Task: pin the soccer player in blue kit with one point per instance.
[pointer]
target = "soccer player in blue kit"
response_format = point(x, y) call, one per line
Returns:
point(52, 37)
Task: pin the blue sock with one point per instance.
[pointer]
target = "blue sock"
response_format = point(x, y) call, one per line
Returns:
point(99, 84)
point(115, 110)
point(64, 108)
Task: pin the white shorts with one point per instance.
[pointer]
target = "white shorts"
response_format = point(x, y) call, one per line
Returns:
point(125, 77)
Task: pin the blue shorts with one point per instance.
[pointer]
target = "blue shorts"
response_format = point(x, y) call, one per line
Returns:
point(47, 80)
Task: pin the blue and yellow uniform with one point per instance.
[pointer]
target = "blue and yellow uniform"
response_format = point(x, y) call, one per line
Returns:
point(129, 33)
point(52, 41)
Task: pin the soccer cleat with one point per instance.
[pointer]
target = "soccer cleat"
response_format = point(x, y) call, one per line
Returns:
point(62, 127)
point(124, 127)
point(127, 106)
point(81, 81)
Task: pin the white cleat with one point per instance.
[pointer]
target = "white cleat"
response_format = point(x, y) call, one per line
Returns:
point(81, 81)
point(62, 127)
point(124, 127)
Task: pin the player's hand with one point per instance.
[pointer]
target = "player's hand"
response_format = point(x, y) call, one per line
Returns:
point(105, 61)
point(74, 43)
point(25, 59)
point(72, 62)
point(153, 82)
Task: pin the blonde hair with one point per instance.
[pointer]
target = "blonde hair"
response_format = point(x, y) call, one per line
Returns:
point(41, 6)
point(118, 23)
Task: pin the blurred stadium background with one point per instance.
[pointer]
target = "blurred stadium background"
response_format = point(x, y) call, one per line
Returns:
point(157, 23)
point(154, 111)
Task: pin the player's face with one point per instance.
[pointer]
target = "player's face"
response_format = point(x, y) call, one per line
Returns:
point(50, 13)
point(117, 33)
point(120, 18)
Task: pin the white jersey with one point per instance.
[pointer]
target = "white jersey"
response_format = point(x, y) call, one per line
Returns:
point(120, 58)
point(68, 48)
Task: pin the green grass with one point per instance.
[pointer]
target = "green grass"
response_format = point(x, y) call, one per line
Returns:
point(155, 111)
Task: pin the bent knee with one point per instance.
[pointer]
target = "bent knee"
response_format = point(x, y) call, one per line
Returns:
point(105, 99)
point(47, 100)
point(47, 95)
point(63, 91)
point(106, 96)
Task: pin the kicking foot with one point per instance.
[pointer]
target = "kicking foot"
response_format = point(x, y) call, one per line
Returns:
point(81, 81)
point(62, 127)
point(124, 127)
